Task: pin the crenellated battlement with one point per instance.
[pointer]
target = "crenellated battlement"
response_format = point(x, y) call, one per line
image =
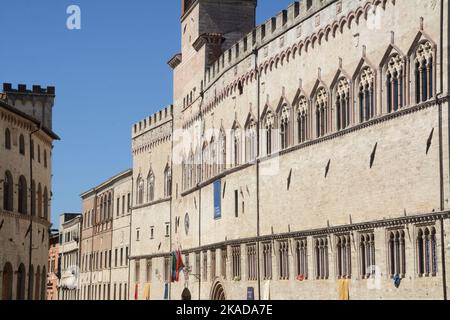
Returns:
point(23, 90)
point(157, 119)
point(265, 33)
point(36, 102)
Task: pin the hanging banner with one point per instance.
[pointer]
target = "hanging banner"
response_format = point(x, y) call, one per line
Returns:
point(217, 199)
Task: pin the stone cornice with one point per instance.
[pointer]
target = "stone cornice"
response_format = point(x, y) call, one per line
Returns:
point(146, 205)
point(395, 223)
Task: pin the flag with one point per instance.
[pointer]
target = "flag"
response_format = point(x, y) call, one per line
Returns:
point(174, 266)
point(136, 292)
point(180, 265)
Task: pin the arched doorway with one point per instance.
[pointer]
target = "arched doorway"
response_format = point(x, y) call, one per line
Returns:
point(20, 293)
point(186, 295)
point(7, 282)
point(218, 292)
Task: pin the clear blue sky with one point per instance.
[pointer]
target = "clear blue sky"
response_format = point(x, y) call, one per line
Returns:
point(108, 75)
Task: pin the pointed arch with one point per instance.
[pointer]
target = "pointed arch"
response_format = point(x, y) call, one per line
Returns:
point(8, 192)
point(284, 115)
point(320, 95)
point(250, 138)
point(268, 126)
point(341, 88)
point(236, 139)
point(167, 181)
point(150, 185)
point(393, 66)
point(422, 55)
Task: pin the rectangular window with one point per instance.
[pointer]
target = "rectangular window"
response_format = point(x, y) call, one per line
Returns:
point(118, 207)
point(128, 202)
point(110, 256)
point(267, 261)
point(167, 230)
point(123, 205)
point(137, 271)
point(149, 270)
point(301, 250)
point(283, 260)
point(121, 256)
point(236, 263)
point(251, 262)
point(115, 258)
point(137, 234)
point(152, 233)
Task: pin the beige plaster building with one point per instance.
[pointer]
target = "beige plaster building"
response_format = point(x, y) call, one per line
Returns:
point(105, 239)
point(69, 255)
point(26, 143)
point(305, 158)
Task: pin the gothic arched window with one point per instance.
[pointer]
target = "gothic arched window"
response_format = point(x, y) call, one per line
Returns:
point(33, 198)
point(397, 253)
point(7, 139)
point(22, 198)
point(285, 127)
point(302, 120)
point(39, 201)
point(45, 203)
point(167, 182)
point(321, 258)
point(367, 254)
point(140, 190)
point(150, 186)
point(22, 144)
point(321, 102)
point(423, 72)
point(236, 151)
point(343, 104)
point(269, 126)
point(366, 94)
point(250, 141)
point(426, 248)
point(344, 257)
point(205, 162)
point(395, 83)
point(222, 151)
point(8, 192)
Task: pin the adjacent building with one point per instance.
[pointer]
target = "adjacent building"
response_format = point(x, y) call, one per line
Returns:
point(305, 158)
point(105, 239)
point(69, 255)
point(53, 268)
point(26, 148)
